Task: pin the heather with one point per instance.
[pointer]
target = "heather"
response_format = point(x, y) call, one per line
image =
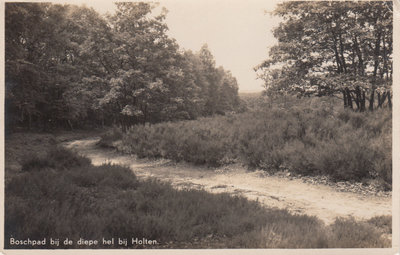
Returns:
point(304, 136)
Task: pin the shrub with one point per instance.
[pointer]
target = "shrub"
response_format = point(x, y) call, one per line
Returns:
point(32, 162)
point(344, 159)
point(191, 141)
point(307, 136)
point(57, 158)
point(383, 222)
point(348, 233)
point(62, 158)
point(85, 201)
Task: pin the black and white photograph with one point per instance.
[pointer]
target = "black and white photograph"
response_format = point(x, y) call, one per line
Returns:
point(223, 125)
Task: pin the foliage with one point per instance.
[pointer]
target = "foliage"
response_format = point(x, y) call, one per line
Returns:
point(308, 137)
point(109, 201)
point(325, 48)
point(57, 157)
point(67, 66)
point(382, 222)
point(344, 231)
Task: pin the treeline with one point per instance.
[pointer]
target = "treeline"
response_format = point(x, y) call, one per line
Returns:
point(333, 48)
point(68, 66)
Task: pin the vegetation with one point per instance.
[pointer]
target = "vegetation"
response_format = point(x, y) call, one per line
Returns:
point(326, 47)
point(304, 136)
point(68, 66)
point(66, 197)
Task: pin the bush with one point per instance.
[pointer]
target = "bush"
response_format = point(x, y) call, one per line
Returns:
point(32, 162)
point(348, 233)
point(192, 141)
point(303, 136)
point(57, 158)
point(85, 201)
point(383, 222)
point(345, 158)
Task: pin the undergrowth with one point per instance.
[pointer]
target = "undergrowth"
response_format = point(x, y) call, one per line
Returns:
point(64, 196)
point(303, 136)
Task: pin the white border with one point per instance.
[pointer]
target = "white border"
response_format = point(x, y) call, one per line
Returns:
point(396, 175)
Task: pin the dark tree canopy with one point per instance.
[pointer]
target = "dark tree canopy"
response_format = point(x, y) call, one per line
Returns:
point(330, 47)
point(67, 66)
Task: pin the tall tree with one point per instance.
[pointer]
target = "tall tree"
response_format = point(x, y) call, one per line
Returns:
point(325, 48)
point(67, 65)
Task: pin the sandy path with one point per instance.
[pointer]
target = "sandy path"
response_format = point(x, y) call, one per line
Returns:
point(298, 197)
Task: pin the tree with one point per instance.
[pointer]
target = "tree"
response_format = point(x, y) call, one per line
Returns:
point(44, 64)
point(67, 66)
point(34, 47)
point(325, 48)
point(147, 64)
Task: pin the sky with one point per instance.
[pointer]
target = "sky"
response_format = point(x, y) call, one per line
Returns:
point(237, 32)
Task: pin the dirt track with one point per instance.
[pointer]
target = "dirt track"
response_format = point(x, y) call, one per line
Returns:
point(298, 197)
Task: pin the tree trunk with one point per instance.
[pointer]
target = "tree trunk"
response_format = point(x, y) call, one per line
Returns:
point(389, 100)
point(337, 58)
point(342, 53)
point(362, 102)
point(349, 101)
point(385, 60)
point(357, 99)
point(70, 124)
point(376, 54)
point(371, 100)
point(344, 99)
point(360, 99)
point(381, 99)
point(359, 55)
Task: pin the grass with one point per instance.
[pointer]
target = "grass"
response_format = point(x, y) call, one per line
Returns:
point(66, 197)
point(304, 136)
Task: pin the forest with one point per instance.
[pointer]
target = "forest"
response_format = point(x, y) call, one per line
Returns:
point(68, 66)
